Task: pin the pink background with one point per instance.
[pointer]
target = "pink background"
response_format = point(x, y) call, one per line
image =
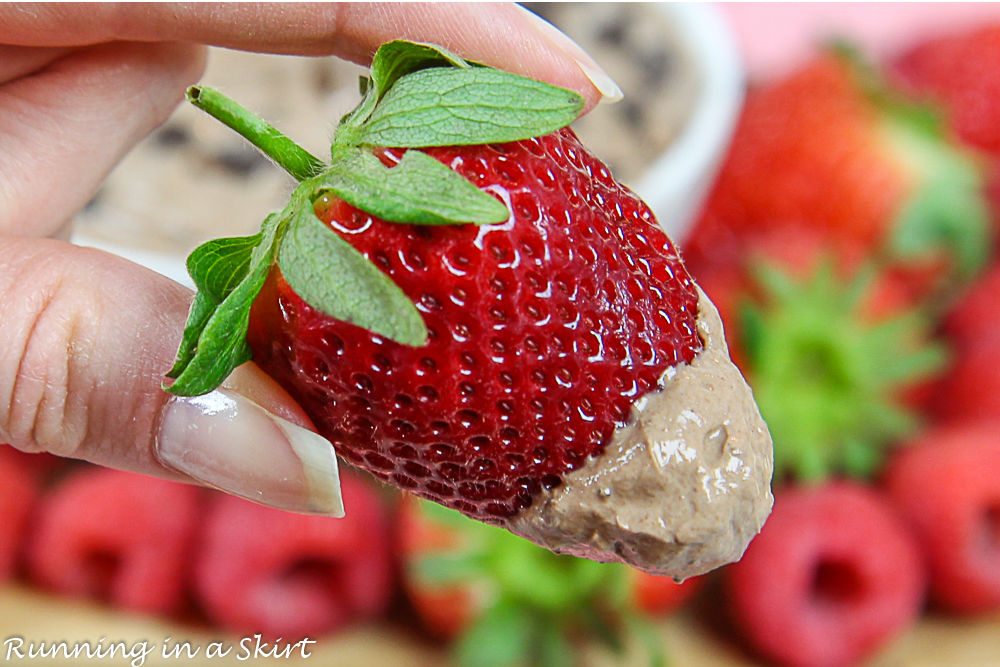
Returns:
point(775, 37)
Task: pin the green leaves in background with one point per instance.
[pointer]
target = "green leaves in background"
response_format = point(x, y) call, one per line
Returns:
point(333, 277)
point(419, 190)
point(826, 376)
point(538, 604)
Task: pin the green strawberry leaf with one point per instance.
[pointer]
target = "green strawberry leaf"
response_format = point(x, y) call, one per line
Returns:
point(201, 310)
point(216, 267)
point(392, 61)
point(221, 343)
point(826, 377)
point(419, 190)
point(500, 638)
point(333, 277)
point(554, 649)
point(445, 568)
point(949, 212)
point(396, 59)
point(459, 107)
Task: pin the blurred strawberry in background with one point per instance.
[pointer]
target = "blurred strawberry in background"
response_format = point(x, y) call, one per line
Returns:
point(505, 601)
point(847, 231)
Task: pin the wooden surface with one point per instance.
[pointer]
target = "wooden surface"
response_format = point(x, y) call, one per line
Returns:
point(936, 642)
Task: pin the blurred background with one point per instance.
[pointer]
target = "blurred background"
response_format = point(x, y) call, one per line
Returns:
point(829, 172)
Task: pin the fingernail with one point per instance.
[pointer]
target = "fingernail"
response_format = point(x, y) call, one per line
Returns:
point(610, 92)
point(229, 442)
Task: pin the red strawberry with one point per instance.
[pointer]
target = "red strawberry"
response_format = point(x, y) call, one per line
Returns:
point(971, 389)
point(479, 365)
point(834, 575)
point(264, 571)
point(832, 375)
point(959, 72)
point(831, 148)
point(975, 320)
point(946, 484)
point(19, 488)
point(119, 536)
point(542, 333)
point(660, 595)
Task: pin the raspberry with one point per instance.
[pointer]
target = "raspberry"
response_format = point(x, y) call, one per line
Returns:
point(117, 536)
point(264, 571)
point(833, 576)
point(19, 489)
point(946, 484)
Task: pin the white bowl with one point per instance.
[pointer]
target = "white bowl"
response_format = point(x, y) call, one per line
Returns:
point(675, 185)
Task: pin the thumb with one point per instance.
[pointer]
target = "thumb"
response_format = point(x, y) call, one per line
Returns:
point(86, 339)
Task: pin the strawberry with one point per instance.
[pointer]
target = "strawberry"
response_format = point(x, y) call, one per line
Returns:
point(832, 375)
point(834, 575)
point(19, 490)
point(660, 595)
point(959, 73)
point(471, 308)
point(971, 389)
point(945, 484)
point(503, 600)
point(835, 217)
point(118, 536)
point(975, 320)
point(833, 148)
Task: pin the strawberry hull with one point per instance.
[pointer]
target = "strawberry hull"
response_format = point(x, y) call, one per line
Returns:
point(544, 331)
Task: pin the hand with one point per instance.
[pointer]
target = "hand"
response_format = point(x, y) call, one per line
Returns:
point(87, 336)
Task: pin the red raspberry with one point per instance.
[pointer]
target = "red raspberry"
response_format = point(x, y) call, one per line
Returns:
point(833, 576)
point(118, 536)
point(19, 488)
point(543, 331)
point(946, 484)
point(279, 574)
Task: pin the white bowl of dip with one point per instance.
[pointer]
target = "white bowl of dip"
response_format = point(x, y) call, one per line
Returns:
point(675, 185)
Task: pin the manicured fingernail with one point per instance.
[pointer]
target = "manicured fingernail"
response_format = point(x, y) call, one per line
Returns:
point(227, 441)
point(609, 90)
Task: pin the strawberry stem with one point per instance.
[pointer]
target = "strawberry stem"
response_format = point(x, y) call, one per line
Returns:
point(291, 157)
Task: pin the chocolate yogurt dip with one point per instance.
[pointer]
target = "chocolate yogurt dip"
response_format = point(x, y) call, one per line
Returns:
point(682, 488)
